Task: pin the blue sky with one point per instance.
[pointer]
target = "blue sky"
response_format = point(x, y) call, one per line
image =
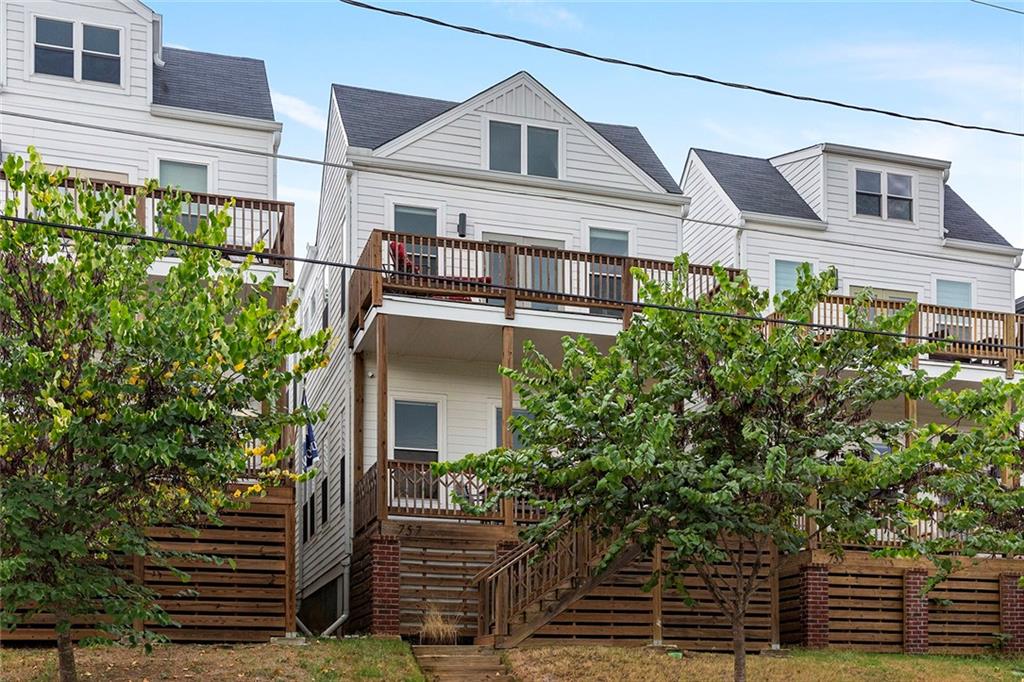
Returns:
point(954, 60)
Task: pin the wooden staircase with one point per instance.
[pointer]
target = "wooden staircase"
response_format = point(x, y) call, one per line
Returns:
point(527, 588)
point(461, 664)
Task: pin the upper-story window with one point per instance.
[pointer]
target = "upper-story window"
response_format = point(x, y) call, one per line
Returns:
point(79, 51)
point(515, 148)
point(896, 202)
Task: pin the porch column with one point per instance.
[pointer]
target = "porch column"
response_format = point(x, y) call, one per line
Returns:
point(507, 338)
point(358, 414)
point(382, 417)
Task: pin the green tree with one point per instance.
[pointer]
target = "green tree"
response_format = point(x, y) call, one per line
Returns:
point(125, 400)
point(713, 434)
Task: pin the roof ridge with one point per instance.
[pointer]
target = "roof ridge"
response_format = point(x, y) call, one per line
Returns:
point(392, 92)
point(739, 156)
point(213, 54)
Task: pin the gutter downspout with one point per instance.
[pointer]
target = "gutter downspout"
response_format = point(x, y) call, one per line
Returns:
point(344, 592)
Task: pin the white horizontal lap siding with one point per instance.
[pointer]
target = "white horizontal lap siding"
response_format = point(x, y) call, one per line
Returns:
point(238, 173)
point(805, 177)
point(866, 267)
point(587, 162)
point(470, 390)
point(505, 212)
point(458, 143)
point(708, 244)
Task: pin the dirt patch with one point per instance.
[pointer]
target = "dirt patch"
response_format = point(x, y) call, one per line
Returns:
point(321, 661)
point(617, 664)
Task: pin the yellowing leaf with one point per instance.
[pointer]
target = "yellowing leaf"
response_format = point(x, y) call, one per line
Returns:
point(239, 366)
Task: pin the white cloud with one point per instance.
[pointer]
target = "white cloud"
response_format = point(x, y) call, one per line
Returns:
point(951, 68)
point(543, 14)
point(299, 111)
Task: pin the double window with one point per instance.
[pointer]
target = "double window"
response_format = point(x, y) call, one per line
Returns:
point(517, 148)
point(79, 51)
point(885, 195)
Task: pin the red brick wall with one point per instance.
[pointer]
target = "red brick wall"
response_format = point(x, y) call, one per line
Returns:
point(915, 612)
point(814, 605)
point(384, 584)
point(1011, 607)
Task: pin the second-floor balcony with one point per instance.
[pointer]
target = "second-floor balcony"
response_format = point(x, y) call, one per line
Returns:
point(253, 220)
point(510, 276)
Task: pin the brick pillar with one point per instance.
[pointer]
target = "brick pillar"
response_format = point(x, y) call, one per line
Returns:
point(384, 586)
point(814, 605)
point(1011, 612)
point(915, 612)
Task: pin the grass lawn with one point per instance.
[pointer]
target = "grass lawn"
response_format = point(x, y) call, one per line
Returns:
point(321, 661)
point(547, 664)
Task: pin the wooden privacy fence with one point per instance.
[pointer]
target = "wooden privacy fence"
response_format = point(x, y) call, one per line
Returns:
point(253, 220)
point(506, 275)
point(249, 602)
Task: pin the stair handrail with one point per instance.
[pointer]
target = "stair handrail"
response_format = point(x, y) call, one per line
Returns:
point(523, 548)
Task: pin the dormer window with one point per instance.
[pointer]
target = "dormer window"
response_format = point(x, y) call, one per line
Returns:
point(514, 147)
point(895, 203)
point(79, 51)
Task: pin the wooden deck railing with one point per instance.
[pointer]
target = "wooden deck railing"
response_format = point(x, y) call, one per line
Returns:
point(253, 221)
point(506, 275)
point(973, 336)
point(413, 490)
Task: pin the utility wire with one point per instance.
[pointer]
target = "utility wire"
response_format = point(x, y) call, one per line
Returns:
point(583, 299)
point(417, 175)
point(995, 6)
point(678, 74)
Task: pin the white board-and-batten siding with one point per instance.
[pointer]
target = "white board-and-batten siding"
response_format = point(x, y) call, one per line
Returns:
point(128, 107)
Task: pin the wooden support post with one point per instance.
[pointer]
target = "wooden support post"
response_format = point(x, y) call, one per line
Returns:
point(139, 576)
point(657, 599)
point(910, 404)
point(140, 209)
point(377, 263)
point(627, 292)
point(910, 414)
point(501, 605)
point(776, 614)
point(358, 413)
point(811, 525)
point(382, 417)
point(507, 360)
point(510, 281)
point(1008, 476)
point(287, 240)
point(289, 568)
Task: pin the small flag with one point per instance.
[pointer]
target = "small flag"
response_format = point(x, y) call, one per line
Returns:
point(310, 453)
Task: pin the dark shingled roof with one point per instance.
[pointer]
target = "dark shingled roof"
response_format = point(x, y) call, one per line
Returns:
point(755, 185)
point(1020, 305)
point(963, 222)
point(217, 83)
point(374, 117)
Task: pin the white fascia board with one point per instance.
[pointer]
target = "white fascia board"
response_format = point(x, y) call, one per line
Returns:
point(542, 185)
point(982, 247)
point(797, 155)
point(782, 221)
point(887, 157)
point(214, 118)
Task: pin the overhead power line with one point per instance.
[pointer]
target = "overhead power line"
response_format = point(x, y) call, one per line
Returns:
point(995, 6)
point(417, 175)
point(677, 74)
point(583, 299)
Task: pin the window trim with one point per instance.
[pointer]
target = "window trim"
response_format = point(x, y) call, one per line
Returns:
point(959, 280)
point(588, 224)
point(815, 268)
point(211, 163)
point(523, 123)
point(77, 49)
point(325, 495)
point(493, 406)
point(440, 399)
point(849, 285)
point(884, 219)
point(391, 201)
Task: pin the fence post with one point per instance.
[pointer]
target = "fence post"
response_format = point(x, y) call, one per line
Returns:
point(915, 612)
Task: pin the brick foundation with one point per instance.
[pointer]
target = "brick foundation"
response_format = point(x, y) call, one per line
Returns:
point(384, 585)
point(814, 605)
point(1011, 612)
point(915, 612)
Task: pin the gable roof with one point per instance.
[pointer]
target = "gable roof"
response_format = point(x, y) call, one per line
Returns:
point(375, 117)
point(963, 222)
point(236, 86)
point(755, 185)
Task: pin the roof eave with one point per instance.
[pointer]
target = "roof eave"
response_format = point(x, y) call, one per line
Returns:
point(214, 117)
point(880, 155)
point(983, 247)
point(782, 221)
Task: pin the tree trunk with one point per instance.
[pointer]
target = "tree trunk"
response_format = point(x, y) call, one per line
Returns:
point(65, 647)
point(739, 650)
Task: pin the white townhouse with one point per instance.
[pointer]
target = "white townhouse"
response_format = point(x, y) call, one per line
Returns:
point(884, 220)
point(103, 63)
point(455, 201)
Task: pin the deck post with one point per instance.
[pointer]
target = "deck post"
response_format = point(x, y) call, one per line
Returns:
point(910, 404)
point(382, 417)
point(627, 292)
point(510, 282)
point(507, 359)
point(358, 413)
point(287, 240)
point(290, 599)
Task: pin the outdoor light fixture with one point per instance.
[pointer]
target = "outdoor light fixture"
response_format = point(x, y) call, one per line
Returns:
point(462, 225)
